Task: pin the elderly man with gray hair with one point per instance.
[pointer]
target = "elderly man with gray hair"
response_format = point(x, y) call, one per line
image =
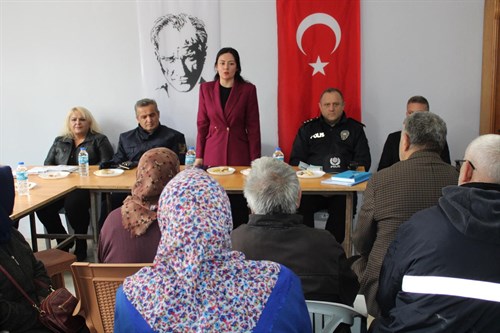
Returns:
point(441, 273)
point(275, 232)
point(394, 194)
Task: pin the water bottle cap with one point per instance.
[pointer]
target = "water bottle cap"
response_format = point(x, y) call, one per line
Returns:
point(83, 148)
point(278, 148)
point(20, 163)
point(191, 147)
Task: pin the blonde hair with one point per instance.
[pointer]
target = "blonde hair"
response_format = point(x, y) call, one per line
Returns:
point(93, 127)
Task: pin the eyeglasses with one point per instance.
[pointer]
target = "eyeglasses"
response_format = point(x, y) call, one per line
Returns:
point(459, 163)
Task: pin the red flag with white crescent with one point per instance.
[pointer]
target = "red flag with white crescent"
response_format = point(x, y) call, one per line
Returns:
point(318, 47)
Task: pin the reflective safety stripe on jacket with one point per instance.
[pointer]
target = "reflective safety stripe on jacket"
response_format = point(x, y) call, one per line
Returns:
point(441, 285)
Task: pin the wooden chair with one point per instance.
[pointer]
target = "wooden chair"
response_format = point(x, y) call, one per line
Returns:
point(95, 286)
point(56, 262)
point(327, 316)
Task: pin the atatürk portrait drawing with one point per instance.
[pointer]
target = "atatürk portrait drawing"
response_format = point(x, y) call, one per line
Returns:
point(180, 43)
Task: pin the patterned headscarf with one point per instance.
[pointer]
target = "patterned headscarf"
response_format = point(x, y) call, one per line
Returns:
point(196, 283)
point(156, 168)
point(7, 196)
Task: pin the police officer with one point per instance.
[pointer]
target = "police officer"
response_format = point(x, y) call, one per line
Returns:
point(332, 141)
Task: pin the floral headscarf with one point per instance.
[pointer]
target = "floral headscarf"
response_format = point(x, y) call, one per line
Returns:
point(156, 168)
point(196, 283)
point(7, 196)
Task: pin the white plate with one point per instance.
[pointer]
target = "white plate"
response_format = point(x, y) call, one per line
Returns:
point(30, 185)
point(221, 171)
point(310, 174)
point(54, 175)
point(246, 172)
point(108, 172)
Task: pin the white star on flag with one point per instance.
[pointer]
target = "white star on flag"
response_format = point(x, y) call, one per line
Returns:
point(319, 67)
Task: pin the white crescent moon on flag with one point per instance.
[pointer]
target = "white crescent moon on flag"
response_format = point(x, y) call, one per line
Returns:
point(318, 18)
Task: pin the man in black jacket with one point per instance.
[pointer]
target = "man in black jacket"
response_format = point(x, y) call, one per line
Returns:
point(441, 273)
point(274, 232)
point(332, 141)
point(390, 153)
point(148, 134)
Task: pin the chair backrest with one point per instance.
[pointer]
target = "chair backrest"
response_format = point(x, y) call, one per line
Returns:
point(56, 262)
point(327, 316)
point(95, 286)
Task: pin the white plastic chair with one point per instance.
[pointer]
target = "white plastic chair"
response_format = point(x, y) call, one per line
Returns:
point(327, 316)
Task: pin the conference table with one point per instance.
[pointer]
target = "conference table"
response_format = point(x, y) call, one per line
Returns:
point(47, 191)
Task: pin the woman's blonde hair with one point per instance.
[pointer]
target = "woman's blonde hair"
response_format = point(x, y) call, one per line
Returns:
point(93, 127)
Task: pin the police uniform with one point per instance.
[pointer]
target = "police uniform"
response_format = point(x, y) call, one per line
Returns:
point(333, 148)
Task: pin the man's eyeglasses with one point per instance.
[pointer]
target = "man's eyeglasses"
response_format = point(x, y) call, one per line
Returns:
point(459, 163)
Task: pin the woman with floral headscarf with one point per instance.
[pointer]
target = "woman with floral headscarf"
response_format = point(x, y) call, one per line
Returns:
point(130, 233)
point(16, 257)
point(196, 283)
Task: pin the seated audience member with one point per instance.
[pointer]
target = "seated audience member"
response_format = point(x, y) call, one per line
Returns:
point(81, 130)
point(131, 233)
point(441, 273)
point(332, 141)
point(396, 193)
point(275, 232)
point(132, 144)
point(390, 153)
point(197, 283)
point(16, 257)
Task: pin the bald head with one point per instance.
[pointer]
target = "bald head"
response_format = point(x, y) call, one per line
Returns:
point(483, 153)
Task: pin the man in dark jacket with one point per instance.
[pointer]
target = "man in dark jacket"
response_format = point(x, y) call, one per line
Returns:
point(441, 273)
point(390, 153)
point(148, 134)
point(333, 142)
point(274, 232)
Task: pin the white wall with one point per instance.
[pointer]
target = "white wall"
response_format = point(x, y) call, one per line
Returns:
point(429, 48)
point(57, 54)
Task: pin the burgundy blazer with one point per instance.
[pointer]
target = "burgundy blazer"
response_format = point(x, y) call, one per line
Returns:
point(230, 137)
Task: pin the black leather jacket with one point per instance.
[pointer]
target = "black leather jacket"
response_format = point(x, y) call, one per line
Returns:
point(63, 150)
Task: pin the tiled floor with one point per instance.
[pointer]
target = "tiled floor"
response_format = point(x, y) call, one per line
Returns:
point(68, 281)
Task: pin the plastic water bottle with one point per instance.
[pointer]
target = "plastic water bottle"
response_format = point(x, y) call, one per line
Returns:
point(22, 179)
point(278, 154)
point(190, 158)
point(83, 162)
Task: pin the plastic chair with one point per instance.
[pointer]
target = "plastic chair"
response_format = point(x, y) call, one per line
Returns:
point(327, 316)
point(95, 286)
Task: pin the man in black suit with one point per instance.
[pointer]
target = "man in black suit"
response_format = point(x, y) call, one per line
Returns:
point(390, 153)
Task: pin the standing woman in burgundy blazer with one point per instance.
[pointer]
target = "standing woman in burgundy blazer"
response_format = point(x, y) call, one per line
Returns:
point(228, 116)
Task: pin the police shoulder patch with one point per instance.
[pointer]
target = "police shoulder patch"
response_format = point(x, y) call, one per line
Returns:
point(310, 120)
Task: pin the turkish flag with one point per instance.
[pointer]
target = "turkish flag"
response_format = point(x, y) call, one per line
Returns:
point(318, 48)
